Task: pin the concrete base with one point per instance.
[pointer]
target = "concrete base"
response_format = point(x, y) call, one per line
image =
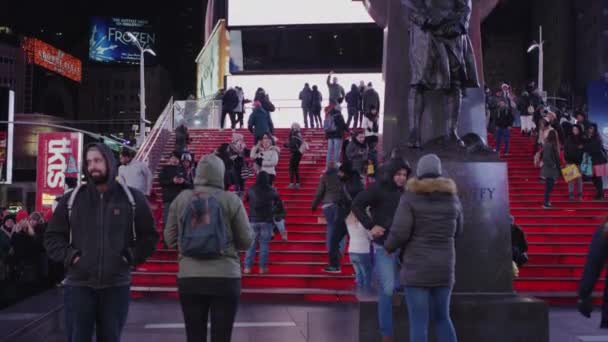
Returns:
point(477, 318)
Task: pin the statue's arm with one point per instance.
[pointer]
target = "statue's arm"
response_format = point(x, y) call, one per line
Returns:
point(462, 14)
point(419, 13)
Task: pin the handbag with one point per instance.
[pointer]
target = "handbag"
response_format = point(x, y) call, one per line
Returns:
point(370, 169)
point(537, 158)
point(247, 171)
point(587, 165)
point(571, 172)
point(304, 147)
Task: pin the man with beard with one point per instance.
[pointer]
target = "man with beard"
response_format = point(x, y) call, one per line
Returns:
point(99, 231)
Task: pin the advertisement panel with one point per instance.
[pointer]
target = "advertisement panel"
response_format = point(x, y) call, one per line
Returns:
point(51, 58)
point(109, 42)
point(310, 12)
point(59, 155)
point(7, 114)
point(212, 63)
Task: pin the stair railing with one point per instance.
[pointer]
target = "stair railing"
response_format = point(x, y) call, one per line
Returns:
point(152, 149)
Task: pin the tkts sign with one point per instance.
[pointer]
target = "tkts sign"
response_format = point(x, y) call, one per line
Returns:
point(59, 156)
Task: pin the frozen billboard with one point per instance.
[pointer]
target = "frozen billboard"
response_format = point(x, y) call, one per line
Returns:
point(109, 42)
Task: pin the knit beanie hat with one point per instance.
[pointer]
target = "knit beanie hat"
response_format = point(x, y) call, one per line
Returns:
point(429, 166)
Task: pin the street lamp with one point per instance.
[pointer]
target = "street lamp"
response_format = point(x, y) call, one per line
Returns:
point(142, 88)
point(541, 57)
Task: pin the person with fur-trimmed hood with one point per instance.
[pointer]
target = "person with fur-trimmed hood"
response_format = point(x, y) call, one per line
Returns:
point(427, 221)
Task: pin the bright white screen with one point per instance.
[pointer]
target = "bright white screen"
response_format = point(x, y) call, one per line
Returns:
point(295, 12)
point(285, 89)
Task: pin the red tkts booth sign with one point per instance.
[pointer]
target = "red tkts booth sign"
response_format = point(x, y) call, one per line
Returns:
point(58, 155)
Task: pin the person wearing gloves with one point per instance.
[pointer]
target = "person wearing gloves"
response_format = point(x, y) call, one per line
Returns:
point(427, 221)
point(266, 156)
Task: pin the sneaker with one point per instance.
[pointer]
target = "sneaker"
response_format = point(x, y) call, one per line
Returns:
point(332, 269)
point(247, 270)
point(598, 198)
point(547, 206)
point(263, 270)
point(284, 236)
point(506, 154)
point(297, 186)
point(291, 186)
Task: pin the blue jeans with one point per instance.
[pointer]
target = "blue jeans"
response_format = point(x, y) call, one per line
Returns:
point(101, 310)
point(362, 262)
point(502, 134)
point(263, 234)
point(385, 267)
point(331, 217)
point(334, 147)
point(423, 302)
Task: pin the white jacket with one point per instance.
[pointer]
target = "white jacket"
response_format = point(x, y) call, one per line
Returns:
point(270, 158)
point(137, 175)
point(368, 126)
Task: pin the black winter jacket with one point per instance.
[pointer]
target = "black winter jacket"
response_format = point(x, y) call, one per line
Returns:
point(572, 153)
point(170, 190)
point(101, 228)
point(595, 148)
point(504, 118)
point(340, 126)
point(382, 198)
point(262, 198)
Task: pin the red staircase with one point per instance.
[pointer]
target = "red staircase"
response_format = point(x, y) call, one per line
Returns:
point(558, 238)
point(296, 265)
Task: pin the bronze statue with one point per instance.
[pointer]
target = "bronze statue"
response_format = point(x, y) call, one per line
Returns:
point(441, 58)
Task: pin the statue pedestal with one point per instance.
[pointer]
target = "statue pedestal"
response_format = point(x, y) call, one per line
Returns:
point(476, 318)
point(484, 306)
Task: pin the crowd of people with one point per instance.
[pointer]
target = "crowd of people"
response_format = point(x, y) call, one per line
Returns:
point(566, 143)
point(25, 268)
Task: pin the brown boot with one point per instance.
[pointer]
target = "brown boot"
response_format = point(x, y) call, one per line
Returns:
point(387, 338)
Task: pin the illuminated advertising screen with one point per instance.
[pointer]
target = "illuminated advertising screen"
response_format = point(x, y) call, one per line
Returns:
point(284, 90)
point(110, 43)
point(296, 12)
point(51, 58)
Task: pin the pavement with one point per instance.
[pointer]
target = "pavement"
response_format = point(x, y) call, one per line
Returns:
point(161, 320)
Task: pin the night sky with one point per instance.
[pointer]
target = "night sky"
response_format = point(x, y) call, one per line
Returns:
point(65, 24)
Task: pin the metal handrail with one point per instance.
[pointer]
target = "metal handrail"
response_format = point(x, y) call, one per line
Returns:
point(164, 122)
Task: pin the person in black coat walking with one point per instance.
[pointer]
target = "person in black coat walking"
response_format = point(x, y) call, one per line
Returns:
point(315, 107)
point(306, 103)
point(504, 122)
point(353, 101)
point(230, 101)
point(595, 148)
point(350, 187)
point(294, 144)
point(334, 133)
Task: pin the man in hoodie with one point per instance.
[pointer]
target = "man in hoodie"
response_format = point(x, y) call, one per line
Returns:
point(306, 100)
point(134, 173)
point(210, 288)
point(335, 89)
point(259, 122)
point(353, 101)
point(99, 243)
point(382, 199)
